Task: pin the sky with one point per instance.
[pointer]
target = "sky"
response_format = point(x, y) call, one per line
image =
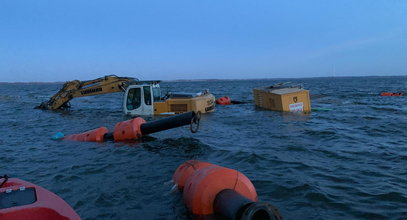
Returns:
point(61, 40)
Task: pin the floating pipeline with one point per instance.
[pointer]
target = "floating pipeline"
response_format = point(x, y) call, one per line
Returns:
point(134, 129)
point(211, 191)
point(391, 94)
point(23, 200)
point(225, 100)
point(128, 130)
point(96, 135)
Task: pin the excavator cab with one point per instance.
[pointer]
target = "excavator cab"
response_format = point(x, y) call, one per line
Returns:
point(144, 98)
point(139, 98)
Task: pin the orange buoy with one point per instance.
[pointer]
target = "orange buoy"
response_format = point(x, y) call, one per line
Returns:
point(225, 100)
point(212, 190)
point(204, 184)
point(391, 94)
point(96, 135)
point(185, 170)
point(128, 130)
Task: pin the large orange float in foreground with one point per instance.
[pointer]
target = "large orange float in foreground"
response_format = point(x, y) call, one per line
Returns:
point(211, 191)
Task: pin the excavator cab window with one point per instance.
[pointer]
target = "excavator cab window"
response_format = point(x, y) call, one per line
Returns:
point(156, 94)
point(147, 95)
point(134, 99)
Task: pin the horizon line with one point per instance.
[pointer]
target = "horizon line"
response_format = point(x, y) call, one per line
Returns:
point(214, 79)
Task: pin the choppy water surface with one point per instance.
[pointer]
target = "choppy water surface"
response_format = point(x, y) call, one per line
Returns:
point(350, 162)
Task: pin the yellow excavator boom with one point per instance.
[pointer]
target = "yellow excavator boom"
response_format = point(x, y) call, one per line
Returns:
point(76, 88)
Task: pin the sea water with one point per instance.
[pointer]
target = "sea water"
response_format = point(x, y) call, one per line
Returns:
point(348, 162)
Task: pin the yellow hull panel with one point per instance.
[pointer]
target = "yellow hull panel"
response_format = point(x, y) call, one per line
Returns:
point(204, 103)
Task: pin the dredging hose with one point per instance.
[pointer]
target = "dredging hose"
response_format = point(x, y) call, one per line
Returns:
point(230, 204)
point(170, 122)
point(135, 128)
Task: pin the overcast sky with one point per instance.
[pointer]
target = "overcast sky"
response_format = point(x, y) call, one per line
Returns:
point(60, 40)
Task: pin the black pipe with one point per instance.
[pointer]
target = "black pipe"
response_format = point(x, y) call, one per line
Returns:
point(5, 177)
point(167, 123)
point(231, 205)
point(238, 102)
point(108, 136)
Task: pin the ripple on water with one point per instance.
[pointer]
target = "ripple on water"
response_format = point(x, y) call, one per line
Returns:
point(284, 191)
point(5, 159)
point(184, 147)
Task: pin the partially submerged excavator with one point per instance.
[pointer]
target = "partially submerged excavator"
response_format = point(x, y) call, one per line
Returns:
point(140, 97)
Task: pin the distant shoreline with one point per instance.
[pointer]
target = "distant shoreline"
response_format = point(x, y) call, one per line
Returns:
point(218, 80)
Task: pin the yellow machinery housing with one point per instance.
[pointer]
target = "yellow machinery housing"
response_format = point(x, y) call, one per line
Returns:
point(203, 103)
point(290, 99)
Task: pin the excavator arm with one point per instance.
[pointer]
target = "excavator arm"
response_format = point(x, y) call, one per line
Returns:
point(76, 88)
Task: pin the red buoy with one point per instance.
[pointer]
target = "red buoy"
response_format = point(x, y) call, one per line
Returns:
point(24, 200)
point(391, 94)
point(96, 135)
point(225, 100)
